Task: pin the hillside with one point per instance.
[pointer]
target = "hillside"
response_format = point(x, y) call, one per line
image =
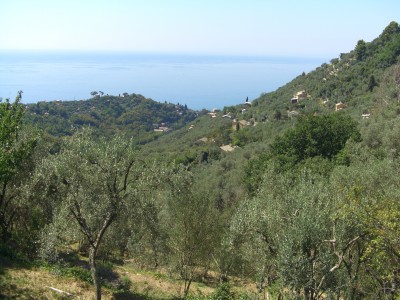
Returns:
point(361, 82)
point(296, 192)
point(133, 115)
point(352, 79)
point(356, 79)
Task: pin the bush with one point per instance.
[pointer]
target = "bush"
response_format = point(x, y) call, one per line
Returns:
point(223, 292)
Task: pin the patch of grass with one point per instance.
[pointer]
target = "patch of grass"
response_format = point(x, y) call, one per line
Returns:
point(130, 295)
point(119, 282)
point(161, 276)
point(71, 272)
point(36, 283)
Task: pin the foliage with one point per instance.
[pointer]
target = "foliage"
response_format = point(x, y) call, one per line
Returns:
point(223, 292)
point(73, 272)
point(312, 136)
point(372, 203)
point(360, 50)
point(131, 114)
point(93, 184)
point(193, 230)
point(16, 147)
point(14, 150)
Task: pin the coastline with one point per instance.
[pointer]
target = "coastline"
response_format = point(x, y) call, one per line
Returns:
point(198, 80)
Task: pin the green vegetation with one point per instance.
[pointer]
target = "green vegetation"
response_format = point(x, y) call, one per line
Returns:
point(285, 197)
point(132, 115)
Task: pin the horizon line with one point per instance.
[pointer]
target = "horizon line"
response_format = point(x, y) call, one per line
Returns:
point(171, 53)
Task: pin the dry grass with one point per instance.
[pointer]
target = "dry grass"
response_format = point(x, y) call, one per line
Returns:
point(35, 283)
point(158, 284)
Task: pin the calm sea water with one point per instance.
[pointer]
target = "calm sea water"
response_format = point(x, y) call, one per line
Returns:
point(196, 80)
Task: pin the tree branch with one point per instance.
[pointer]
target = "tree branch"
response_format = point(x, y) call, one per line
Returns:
point(82, 223)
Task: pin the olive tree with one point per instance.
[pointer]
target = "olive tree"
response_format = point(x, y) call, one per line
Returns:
point(285, 233)
point(15, 149)
point(192, 220)
point(371, 205)
point(91, 182)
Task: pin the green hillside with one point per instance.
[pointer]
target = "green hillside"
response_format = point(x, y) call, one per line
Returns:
point(357, 79)
point(294, 195)
point(345, 80)
point(133, 115)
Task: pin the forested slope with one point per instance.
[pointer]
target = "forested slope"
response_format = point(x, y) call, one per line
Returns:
point(133, 115)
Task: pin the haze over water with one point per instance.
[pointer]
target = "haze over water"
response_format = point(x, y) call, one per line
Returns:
point(199, 81)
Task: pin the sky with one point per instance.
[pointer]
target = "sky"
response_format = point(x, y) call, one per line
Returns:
point(315, 28)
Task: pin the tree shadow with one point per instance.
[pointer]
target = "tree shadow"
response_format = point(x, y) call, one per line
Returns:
point(129, 296)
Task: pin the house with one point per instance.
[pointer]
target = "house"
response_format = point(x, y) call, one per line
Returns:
point(366, 116)
point(340, 106)
point(212, 114)
point(162, 129)
point(301, 95)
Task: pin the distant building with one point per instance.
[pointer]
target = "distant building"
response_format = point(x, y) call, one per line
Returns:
point(340, 106)
point(163, 127)
point(301, 95)
point(366, 116)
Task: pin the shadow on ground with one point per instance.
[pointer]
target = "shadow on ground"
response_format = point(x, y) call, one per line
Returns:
point(129, 296)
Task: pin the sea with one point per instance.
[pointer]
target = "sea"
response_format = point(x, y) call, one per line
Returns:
point(199, 81)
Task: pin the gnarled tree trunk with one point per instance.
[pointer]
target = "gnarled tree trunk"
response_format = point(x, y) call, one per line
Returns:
point(93, 271)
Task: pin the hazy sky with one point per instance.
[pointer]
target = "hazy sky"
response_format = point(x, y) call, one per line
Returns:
point(321, 28)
